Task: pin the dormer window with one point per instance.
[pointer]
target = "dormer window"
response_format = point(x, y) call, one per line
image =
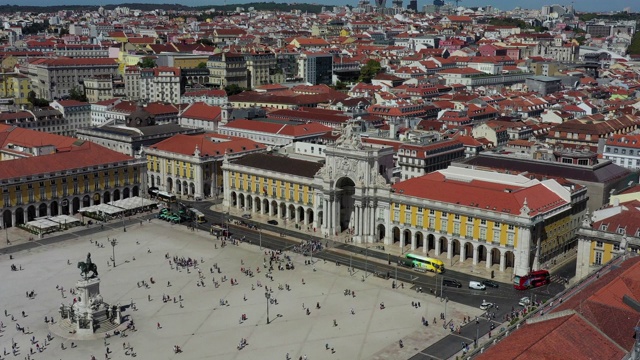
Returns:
point(621, 230)
point(603, 227)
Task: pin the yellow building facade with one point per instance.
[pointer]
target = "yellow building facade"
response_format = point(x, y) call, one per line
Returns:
point(93, 175)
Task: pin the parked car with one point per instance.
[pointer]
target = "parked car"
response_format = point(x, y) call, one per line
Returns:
point(272, 222)
point(490, 283)
point(486, 305)
point(246, 216)
point(476, 285)
point(525, 301)
point(452, 283)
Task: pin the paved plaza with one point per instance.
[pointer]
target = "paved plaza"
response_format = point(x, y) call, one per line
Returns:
point(202, 327)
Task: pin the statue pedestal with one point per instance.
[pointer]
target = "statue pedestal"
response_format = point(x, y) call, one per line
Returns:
point(87, 306)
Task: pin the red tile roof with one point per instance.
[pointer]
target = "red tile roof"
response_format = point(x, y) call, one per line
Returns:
point(85, 155)
point(208, 144)
point(490, 196)
point(294, 130)
point(31, 138)
point(566, 337)
point(202, 111)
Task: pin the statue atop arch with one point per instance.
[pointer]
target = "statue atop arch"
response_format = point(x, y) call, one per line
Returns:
point(349, 138)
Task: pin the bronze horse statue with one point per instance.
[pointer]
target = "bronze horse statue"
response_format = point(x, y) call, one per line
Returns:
point(87, 266)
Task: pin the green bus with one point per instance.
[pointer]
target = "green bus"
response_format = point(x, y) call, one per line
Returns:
point(425, 263)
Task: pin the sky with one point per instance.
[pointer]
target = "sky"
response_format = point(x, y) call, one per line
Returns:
point(580, 5)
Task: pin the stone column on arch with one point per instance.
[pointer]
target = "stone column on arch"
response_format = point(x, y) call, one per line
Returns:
point(489, 258)
point(475, 254)
point(463, 251)
point(503, 260)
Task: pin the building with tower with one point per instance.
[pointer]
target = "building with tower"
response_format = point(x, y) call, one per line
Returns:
point(501, 221)
point(413, 5)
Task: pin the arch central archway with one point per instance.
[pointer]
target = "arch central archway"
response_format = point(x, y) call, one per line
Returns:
point(345, 189)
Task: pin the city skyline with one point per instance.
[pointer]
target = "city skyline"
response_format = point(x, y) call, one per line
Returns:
point(585, 5)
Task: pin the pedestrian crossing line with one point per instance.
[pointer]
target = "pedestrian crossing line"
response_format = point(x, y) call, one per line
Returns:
point(431, 356)
point(461, 337)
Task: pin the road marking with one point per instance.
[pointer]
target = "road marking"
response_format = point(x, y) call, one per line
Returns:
point(460, 336)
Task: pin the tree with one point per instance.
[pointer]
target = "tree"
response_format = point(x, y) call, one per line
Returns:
point(634, 47)
point(340, 85)
point(202, 65)
point(233, 89)
point(76, 94)
point(205, 42)
point(147, 63)
point(31, 97)
point(369, 71)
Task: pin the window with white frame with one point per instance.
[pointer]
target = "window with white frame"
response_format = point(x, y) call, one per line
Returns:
point(419, 220)
point(496, 236)
point(598, 258)
point(510, 238)
point(483, 234)
point(469, 231)
point(396, 215)
point(456, 228)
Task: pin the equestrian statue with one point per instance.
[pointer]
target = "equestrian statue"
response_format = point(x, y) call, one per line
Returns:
point(87, 266)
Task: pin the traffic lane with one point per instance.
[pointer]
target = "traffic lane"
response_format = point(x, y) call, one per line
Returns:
point(454, 342)
point(371, 252)
point(505, 297)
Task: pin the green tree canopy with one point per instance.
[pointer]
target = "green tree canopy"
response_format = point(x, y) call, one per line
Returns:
point(147, 63)
point(205, 42)
point(233, 89)
point(634, 47)
point(202, 65)
point(31, 97)
point(77, 94)
point(369, 71)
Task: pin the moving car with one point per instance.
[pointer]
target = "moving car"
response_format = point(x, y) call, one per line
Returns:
point(246, 216)
point(452, 283)
point(476, 285)
point(272, 222)
point(486, 305)
point(490, 283)
point(525, 301)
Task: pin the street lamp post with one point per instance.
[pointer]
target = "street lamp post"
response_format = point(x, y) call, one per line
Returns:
point(366, 260)
point(350, 262)
point(6, 233)
point(260, 232)
point(446, 300)
point(113, 243)
point(267, 295)
point(123, 227)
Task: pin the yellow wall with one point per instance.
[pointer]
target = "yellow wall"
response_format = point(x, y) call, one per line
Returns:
point(607, 250)
point(59, 185)
point(245, 182)
point(503, 229)
point(189, 62)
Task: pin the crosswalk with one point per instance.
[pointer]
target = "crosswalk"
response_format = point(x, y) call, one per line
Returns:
point(558, 279)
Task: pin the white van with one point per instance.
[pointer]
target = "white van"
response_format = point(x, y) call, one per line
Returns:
point(476, 285)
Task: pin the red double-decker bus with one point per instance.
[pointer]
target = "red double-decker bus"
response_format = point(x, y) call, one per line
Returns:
point(531, 280)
